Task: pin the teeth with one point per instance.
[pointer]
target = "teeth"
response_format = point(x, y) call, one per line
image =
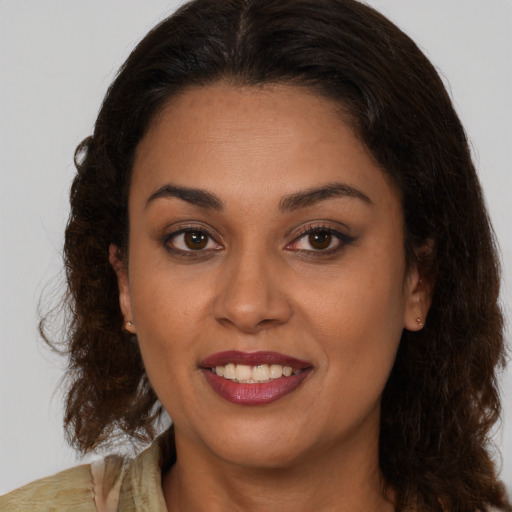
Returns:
point(260, 373)
point(287, 371)
point(253, 374)
point(243, 372)
point(230, 371)
point(276, 371)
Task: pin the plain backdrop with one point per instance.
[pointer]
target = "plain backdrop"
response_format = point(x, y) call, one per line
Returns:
point(57, 58)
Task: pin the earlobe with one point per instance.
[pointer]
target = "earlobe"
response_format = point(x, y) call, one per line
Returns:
point(420, 287)
point(125, 302)
point(419, 297)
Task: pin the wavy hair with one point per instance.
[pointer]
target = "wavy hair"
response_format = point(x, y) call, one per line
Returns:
point(441, 400)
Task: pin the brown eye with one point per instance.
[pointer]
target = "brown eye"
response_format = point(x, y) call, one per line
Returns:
point(195, 240)
point(320, 240)
point(190, 241)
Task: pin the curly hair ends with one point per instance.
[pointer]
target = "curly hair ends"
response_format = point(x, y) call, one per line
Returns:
point(116, 387)
point(441, 400)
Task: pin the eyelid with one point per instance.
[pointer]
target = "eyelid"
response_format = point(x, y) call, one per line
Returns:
point(167, 237)
point(312, 227)
point(318, 224)
point(322, 226)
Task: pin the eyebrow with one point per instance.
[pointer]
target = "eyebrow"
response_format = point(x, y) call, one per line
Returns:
point(313, 196)
point(195, 196)
point(292, 202)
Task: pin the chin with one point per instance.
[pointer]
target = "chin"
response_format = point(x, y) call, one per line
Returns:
point(263, 455)
point(258, 444)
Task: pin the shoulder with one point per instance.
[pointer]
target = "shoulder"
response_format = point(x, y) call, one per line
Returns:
point(87, 488)
point(114, 483)
point(71, 489)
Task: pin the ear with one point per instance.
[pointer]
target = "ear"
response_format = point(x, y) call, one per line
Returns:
point(125, 301)
point(418, 290)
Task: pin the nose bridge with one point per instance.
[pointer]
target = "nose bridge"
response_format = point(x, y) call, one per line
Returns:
point(249, 294)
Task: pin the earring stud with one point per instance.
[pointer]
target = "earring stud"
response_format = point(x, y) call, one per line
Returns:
point(419, 323)
point(129, 326)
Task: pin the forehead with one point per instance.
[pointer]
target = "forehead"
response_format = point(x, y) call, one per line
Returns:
point(257, 140)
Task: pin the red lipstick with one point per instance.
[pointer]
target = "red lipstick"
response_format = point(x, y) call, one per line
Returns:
point(254, 393)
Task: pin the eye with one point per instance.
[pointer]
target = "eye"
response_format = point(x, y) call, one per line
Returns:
point(320, 239)
point(190, 240)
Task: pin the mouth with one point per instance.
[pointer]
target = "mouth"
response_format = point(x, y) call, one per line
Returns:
point(254, 378)
point(246, 374)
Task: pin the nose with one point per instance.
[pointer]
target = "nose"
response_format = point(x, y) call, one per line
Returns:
point(250, 295)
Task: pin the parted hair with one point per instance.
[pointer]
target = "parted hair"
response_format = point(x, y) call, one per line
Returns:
point(441, 400)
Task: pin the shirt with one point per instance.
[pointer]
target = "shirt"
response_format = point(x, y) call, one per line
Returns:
point(114, 484)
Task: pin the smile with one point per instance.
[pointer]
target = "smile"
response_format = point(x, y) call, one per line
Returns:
point(254, 378)
point(253, 374)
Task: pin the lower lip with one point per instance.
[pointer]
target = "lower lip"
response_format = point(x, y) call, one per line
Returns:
point(254, 394)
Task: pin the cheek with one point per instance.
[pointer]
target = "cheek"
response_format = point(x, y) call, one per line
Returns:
point(169, 319)
point(358, 337)
point(165, 298)
point(363, 294)
point(356, 317)
point(169, 312)
point(167, 309)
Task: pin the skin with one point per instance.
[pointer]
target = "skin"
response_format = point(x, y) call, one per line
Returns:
point(260, 284)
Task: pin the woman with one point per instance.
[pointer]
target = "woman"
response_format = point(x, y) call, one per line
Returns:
point(278, 235)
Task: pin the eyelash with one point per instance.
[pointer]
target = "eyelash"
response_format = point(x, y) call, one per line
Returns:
point(188, 253)
point(311, 229)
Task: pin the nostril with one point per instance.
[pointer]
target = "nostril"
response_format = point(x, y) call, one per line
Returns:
point(249, 297)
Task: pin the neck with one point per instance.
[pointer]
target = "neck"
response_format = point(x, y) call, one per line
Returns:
point(336, 479)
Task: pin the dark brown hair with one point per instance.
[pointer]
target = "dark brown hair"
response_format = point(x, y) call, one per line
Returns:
point(441, 399)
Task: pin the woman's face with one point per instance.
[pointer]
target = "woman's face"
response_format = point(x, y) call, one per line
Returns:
point(264, 241)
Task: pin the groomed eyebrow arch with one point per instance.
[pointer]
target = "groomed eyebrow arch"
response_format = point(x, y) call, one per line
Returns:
point(295, 201)
point(195, 196)
point(315, 195)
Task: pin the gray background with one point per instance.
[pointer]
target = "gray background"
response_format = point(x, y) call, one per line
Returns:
point(57, 58)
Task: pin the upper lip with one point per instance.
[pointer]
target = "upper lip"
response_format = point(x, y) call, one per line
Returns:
point(253, 359)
